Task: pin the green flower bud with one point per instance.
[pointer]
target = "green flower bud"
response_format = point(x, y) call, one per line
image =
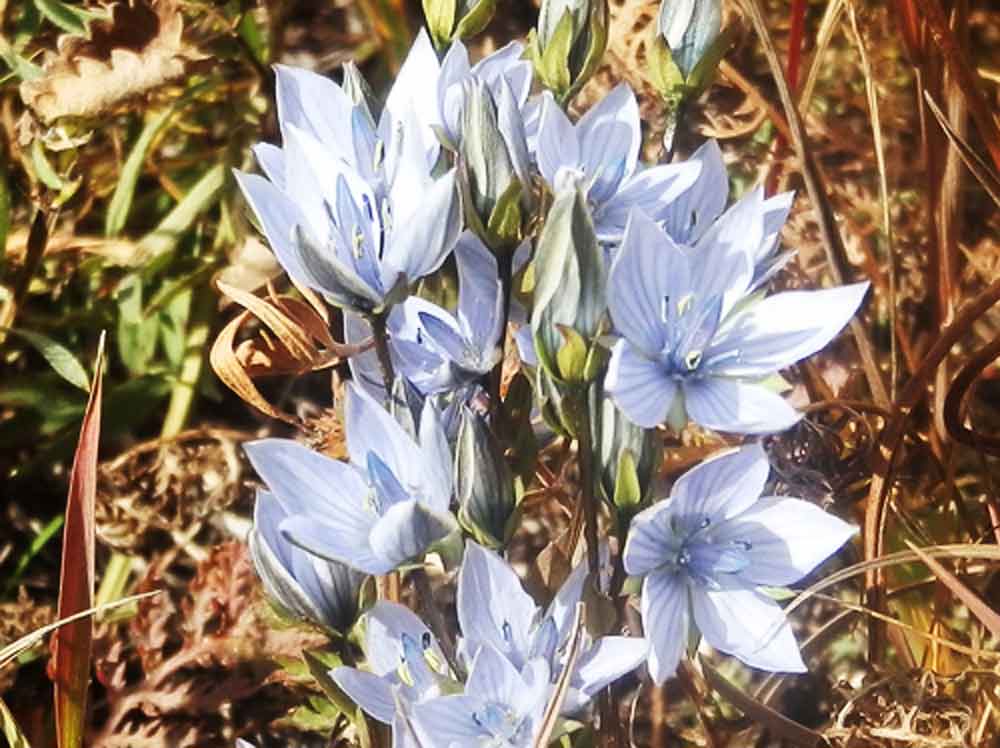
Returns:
point(484, 485)
point(568, 44)
point(449, 20)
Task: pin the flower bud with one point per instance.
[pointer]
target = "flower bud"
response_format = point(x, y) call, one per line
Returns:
point(484, 485)
point(628, 454)
point(495, 165)
point(688, 46)
point(569, 304)
point(449, 20)
point(568, 44)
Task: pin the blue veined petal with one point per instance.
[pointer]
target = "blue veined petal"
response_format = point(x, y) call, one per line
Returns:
point(606, 661)
point(447, 721)
point(735, 407)
point(315, 104)
point(493, 607)
point(784, 539)
point(372, 693)
point(425, 237)
point(437, 463)
point(511, 127)
point(365, 371)
point(711, 559)
point(370, 428)
point(688, 216)
point(665, 619)
point(558, 145)
point(480, 300)
point(333, 587)
point(720, 487)
point(610, 136)
point(406, 530)
point(747, 625)
point(648, 272)
point(385, 625)
point(343, 539)
point(442, 329)
point(653, 190)
point(388, 490)
point(454, 69)
point(359, 230)
point(783, 329)
point(493, 678)
point(776, 210)
point(409, 160)
point(305, 481)
point(650, 541)
point(278, 216)
point(723, 258)
point(507, 63)
point(641, 388)
point(416, 85)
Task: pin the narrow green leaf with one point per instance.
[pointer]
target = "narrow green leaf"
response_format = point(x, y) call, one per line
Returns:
point(59, 357)
point(37, 544)
point(43, 169)
point(69, 19)
point(255, 37)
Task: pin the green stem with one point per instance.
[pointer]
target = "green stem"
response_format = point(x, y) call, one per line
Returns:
point(588, 495)
point(184, 390)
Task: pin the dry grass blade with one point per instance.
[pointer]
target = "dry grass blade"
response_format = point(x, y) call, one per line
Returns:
point(986, 615)
point(779, 725)
point(71, 645)
point(10, 730)
point(16, 647)
point(985, 174)
point(562, 685)
point(971, 370)
point(291, 335)
point(827, 27)
point(836, 254)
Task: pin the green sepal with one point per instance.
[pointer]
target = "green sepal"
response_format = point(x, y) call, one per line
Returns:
point(707, 66)
point(440, 15)
point(571, 358)
point(666, 75)
point(554, 70)
point(597, 36)
point(628, 492)
point(505, 220)
point(478, 17)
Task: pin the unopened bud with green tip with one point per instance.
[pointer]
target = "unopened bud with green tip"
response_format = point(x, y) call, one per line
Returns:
point(628, 454)
point(569, 312)
point(688, 47)
point(449, 20)
point(568, 44)
point(494, 163)
point(484, 484)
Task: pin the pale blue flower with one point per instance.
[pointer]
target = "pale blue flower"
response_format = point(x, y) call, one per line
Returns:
point(495, 611)
point(405, 666)
point(324, 592)
point(697, 341)
point(708, 549)
point(383, 508)
point(501, 707)
point(601, 153)
point(504, 72)
point(351, 208)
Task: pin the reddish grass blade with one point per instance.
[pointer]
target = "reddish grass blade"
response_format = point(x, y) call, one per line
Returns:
point(71, 644)
point(976, 605)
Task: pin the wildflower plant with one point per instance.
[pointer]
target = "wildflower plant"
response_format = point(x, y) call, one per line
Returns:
point(475, 207)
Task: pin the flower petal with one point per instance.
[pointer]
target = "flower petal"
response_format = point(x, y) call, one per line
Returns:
point(649, 535)
point(610, 136)
point(647, 269)
point(653, 190)
point(385, 625)
point(316, 104)
point(372, 693)
point(370, 428)
point(731, 406)
point(787, 538)
point(448, 721)
point(493, 607)
point(690, 214)
point(406, 530)
point(782, 329)
point(641, 388)
point(721, 486)
point(278, 216)
point(341, 538)
point(480, 300)
point(558, 145)
point(421, 241)
point(610, 658)
point(749, 626)
point(416, 85)
point(665, 622)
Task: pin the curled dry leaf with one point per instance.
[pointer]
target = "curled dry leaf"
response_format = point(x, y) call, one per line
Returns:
point(294, 339)
point(137, 50)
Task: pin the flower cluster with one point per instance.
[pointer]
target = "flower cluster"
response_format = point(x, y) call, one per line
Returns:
point(638, 300)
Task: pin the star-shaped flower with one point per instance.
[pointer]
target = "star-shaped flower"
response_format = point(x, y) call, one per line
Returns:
point(708, 549)
point(383, 508)
point(698, 341)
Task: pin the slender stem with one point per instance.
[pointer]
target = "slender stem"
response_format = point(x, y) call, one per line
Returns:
point(380, 333)
point(588, 496)
point(435, 619)
point(505, 270)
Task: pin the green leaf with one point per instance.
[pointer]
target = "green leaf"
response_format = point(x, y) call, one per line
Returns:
point(4, 215)
point(440, 16)
point(58, 356)
point(19, 66)
point(254, 37)
point(43, 169)
point(475, 20)
point(121, 201)
point(136, 334)
point(554, 70)
point(69, 19)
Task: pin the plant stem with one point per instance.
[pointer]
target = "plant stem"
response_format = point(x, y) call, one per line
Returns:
point(435, 619)
point(380, 333)
point(505, 270)
point(588, 496)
